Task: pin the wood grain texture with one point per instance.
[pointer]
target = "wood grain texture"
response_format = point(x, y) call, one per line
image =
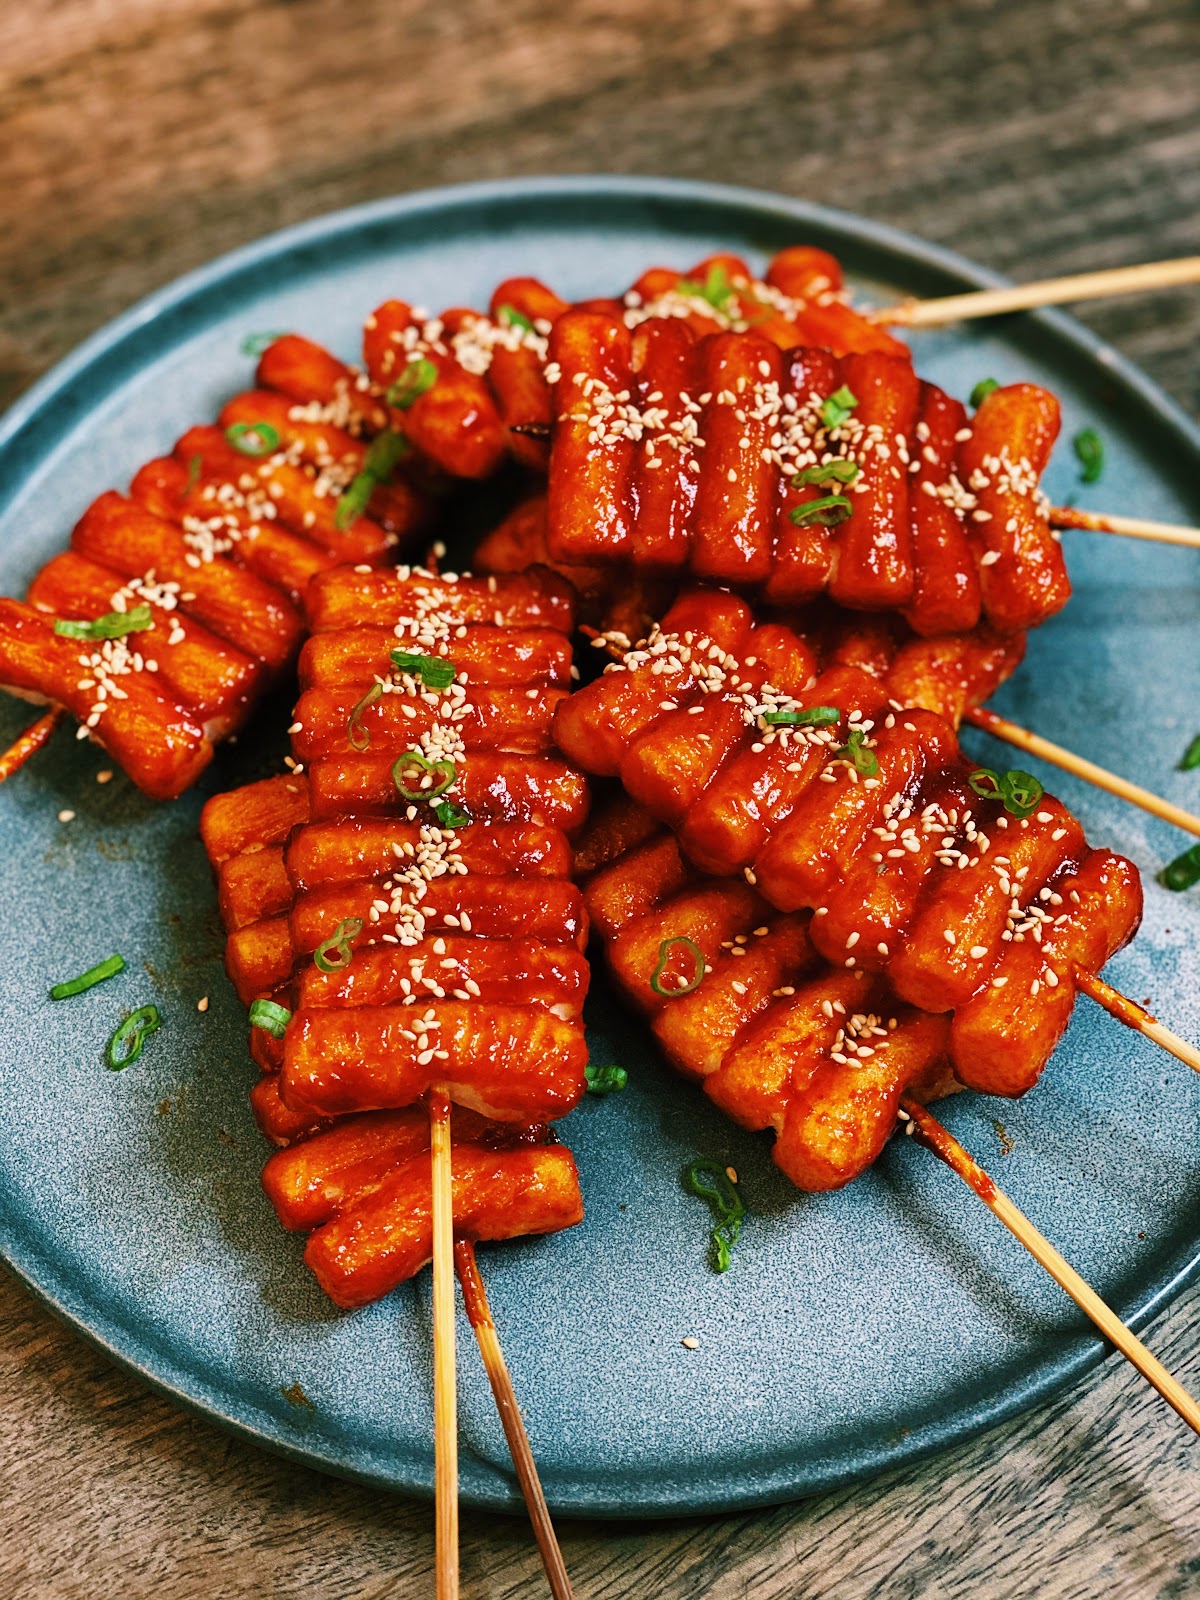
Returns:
point(141, 137)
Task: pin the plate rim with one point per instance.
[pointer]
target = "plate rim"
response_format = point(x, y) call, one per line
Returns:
point(107, 351)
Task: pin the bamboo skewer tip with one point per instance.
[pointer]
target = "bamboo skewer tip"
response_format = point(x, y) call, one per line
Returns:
point(445, 1400)
point(30, 742)
point(479, 1312)
point(937, 1138)
point(1068, 290)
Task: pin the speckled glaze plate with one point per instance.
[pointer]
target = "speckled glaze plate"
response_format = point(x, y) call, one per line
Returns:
point(855, 1330)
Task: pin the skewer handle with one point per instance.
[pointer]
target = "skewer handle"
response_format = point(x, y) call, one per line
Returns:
point(30, 742)
point(445, 1401)
point(1135, 1016)
point(1047, 292)
point(1033, 744)
point(476, 1301)
point(1126, 527)
point(947, 1148)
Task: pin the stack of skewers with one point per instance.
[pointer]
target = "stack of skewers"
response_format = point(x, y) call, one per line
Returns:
point(803, 566)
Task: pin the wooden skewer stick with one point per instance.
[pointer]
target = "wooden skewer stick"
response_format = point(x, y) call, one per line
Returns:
point(947, 1148)
point(1033, 744)
point(475, 1298)
point(1135, 1016)
point(445, 1402)
point(30, 742)
point(1127, 527)
point(1048, 292)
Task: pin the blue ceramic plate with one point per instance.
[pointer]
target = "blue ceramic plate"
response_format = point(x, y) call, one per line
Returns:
point(856, 1329)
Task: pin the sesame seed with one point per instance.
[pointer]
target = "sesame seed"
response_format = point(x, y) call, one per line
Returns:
point(202, 1003)
point(690, 1343)
point(66, 816)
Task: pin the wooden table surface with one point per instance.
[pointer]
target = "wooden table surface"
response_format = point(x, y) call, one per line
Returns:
point(140, 138)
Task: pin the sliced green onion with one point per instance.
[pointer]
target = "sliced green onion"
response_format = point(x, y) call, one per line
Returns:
point(838, 407)
point(108, 968)
point(271, 1018)
point(445, 768)
point(716, 288)
point(255, 343)
point(1183, 872)
point(856, 752)
point(981, 391)
point(384, 454)
point(253, 438)
point(451, 816)
point(434, 671)
point(1089, 450)
point(1020, 792)
point(193, 477)
point(605, 1080)
point(828, 511)
point(418, 377)
point(1191, 756)
point(985, 781)
point(813, 717)
point(709, 1180)
point(360, 737)
point(509, 317)
point(339, 942)
point(115, 625)
point(354, 501)
point(664, 955)
point(827, 472)
point(125, 1046)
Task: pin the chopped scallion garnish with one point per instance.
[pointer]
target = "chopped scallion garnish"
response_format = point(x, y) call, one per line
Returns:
point(856, 752)
point(1183, 872)
point(354, 501)
point(193, 477)
point(838, 407)
point(1089, 450)
point(716, 288)
point(509, 317)
point(451, 816)
point(385, 451)
point(255, 343)
point(1191, 756)
point(253, 438)
point(710, 1181)
point(434, 671)
point(981, 391)
point(444, 771)
point(673, 990)
point(108, 968)
point(418, 377)
point(605, 1080)
point(271, 1018)
point(360, 737)
point(115, 625)
point(826, 512)
point(812, 717)
point(1020, 792)
point(335, 953)
point(125, 1046)
point(827, 472)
